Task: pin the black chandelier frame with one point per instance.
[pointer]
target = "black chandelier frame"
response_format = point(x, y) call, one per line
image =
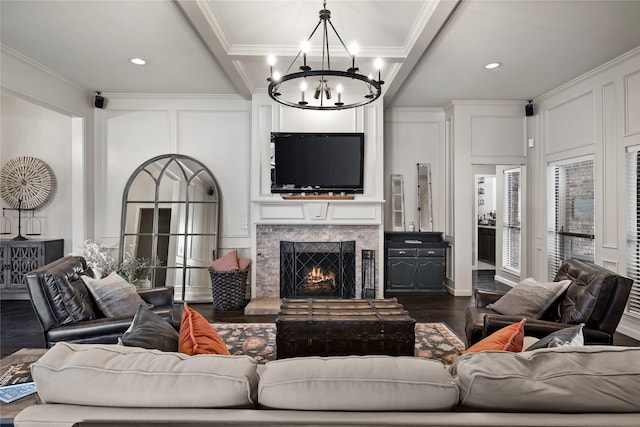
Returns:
point(373, 86)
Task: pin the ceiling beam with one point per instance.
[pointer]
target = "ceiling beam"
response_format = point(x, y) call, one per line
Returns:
point(439, 15)
point(203, 24)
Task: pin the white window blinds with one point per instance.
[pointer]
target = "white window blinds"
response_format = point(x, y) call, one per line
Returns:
point(570, 212)
point(511, 218)
point(633, 228)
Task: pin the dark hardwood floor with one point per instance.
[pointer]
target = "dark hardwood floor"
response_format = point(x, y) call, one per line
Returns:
point(19, 327)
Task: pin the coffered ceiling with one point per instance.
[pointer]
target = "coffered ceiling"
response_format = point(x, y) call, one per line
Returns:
point(434, 51)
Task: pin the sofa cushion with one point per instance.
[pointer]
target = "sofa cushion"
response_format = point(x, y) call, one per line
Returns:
point(149, 330)
point(560, 379)
point(509, 338)
point(529, 298)
point(114, 375)
point(114, 295)
point(357, 383)
point(197, 336)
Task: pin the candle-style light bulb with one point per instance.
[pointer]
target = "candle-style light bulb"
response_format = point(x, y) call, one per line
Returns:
point(377, 63)
point(339, 89)
point(353, 50)
point(276, 76)
point(271, 60)
point(303, 88)
point(304, 47)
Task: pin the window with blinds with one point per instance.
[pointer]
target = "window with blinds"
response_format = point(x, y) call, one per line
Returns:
point(511, 218)
point(570, 212)
point(633, 228)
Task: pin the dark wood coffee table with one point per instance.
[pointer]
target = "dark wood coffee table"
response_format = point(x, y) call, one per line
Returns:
point(341, 327)
point(8, 411)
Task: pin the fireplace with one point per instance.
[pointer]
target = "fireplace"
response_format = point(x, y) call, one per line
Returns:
point(317, 269)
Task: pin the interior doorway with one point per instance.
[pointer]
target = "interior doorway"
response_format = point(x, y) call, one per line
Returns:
point(498, 230)
point(484, 217)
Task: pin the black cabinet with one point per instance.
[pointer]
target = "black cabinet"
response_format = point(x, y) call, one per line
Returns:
point(415, 264)
point(18, 257)
point(487, 244)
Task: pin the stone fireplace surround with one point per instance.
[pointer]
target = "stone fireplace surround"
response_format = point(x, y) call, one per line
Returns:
point(268, 237)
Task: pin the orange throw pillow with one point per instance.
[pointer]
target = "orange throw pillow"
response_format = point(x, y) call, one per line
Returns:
point(197, 336)
point(509, 338)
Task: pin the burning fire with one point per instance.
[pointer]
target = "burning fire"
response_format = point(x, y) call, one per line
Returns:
point(317, 277)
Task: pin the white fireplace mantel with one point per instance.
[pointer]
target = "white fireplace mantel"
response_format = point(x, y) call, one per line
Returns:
point(318, 212)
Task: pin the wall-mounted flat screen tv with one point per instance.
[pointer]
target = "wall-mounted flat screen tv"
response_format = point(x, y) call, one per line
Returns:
point(317, 162)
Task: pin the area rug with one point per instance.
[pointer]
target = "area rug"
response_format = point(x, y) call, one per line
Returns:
point(433, 341)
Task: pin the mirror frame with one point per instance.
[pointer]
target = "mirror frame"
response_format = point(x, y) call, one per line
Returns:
point(164, 162)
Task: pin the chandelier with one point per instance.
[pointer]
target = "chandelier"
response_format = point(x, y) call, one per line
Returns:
point(331, 89)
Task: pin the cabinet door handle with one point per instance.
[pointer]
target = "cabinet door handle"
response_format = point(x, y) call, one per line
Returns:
point(402, 252)
point(431, 252)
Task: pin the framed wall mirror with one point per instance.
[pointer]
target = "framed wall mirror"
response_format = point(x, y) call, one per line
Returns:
point(424, 206)
point(170, 216)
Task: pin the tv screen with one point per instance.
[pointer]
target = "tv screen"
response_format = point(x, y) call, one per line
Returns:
point(317, 162)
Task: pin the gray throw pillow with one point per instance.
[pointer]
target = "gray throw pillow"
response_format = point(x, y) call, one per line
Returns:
point(529, 298)
point(148, 330)
point(114, 295)
point(567, 336)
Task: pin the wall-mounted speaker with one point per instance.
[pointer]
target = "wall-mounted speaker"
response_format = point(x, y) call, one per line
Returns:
point(528, 109)
point(99, 101)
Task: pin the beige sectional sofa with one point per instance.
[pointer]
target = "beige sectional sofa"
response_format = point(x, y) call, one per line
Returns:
point(91, 384)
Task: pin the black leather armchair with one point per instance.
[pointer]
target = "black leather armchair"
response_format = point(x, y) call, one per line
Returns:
point(596, 297)
point(67, 312)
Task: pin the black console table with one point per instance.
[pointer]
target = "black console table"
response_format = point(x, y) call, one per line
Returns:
point(415, 263)
point(18, 257)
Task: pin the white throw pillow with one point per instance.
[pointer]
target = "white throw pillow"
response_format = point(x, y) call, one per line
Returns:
point(529, 298)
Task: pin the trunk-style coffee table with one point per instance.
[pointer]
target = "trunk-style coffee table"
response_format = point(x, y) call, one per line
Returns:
point(341, 327)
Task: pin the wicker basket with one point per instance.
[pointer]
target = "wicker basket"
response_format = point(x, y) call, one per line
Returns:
point(229, 289)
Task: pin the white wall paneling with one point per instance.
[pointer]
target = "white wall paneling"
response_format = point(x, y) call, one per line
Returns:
point(220, 140)
point(632, 103)
point(570, 124)
point(611, 206)
point(415, 135)
point(497, 137)
point(597, 114)
point(489, 129)
point(130, 137)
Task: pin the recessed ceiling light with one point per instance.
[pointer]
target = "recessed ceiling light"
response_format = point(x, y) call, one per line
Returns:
point(137, 61)
point(492, 65)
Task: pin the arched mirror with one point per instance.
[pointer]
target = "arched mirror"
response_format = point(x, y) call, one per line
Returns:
point(170, 208)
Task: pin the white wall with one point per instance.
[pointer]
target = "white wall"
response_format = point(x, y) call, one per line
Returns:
point(61, 137)
point(596, 114)
point(34, 131)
